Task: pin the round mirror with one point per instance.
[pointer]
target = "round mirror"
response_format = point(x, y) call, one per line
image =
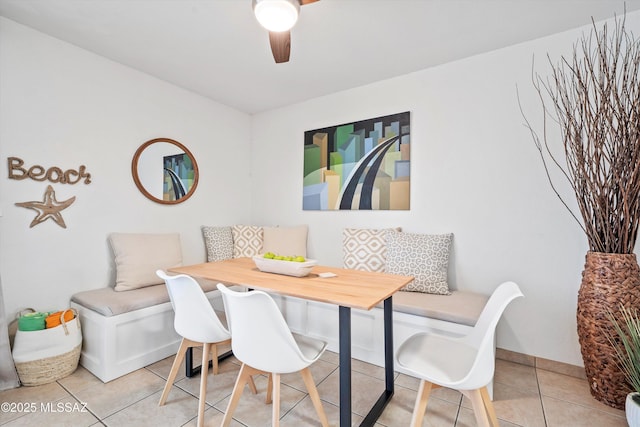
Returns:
point(165, 171)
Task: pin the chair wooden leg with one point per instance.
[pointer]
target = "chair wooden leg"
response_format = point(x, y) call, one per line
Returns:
point(275, 410)
point(214, 355)
point(214, 359)
point(478, 407)
point(243, 376)
point(486, 399)
point(421, 403)
point(174, 370)
point(315, 397)
point(251, 383)
point(252, 386)
point(269, 398)
point(204, 370)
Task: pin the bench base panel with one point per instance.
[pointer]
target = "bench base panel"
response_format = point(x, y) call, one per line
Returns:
point(117, 345)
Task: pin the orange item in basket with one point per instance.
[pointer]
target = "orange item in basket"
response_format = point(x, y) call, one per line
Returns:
point(53, 319)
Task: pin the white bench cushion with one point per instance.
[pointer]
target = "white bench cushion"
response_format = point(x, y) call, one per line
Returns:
point(461, 307)
point(109, 302)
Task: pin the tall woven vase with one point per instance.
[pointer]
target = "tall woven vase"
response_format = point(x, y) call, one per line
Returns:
point(608, 280)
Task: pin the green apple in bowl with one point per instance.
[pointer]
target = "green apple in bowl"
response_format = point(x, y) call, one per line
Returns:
point(294, 258)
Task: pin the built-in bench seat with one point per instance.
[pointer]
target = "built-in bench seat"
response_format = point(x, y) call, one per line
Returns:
point(108, 302)
point(125, 331)
point(129, 325)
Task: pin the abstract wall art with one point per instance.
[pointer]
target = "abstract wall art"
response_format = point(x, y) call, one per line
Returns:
point(363, 165)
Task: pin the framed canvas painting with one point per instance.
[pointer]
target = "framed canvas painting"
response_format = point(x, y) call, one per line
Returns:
point(363, 165)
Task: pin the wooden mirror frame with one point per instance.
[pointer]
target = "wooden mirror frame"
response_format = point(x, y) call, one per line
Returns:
point(143, 190)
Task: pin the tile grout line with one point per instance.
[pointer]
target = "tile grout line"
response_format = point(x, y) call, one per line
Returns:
point(459, 413)
point(579, 404)
point(134, 402)
point(544, 412)
point(73, 396)
point(175, 384)
point(306, 394)
point(455, 421)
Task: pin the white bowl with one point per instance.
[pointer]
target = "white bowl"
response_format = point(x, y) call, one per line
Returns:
point(289, 268)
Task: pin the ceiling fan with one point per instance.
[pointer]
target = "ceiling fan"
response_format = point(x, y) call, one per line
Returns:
point(279, 16)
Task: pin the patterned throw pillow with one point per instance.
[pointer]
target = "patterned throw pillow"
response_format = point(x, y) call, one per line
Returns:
point(365, 249)
point(219, 243)
point(423, 256)
point(247, 240)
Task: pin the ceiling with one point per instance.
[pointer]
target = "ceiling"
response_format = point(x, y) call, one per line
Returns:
point(217, 49)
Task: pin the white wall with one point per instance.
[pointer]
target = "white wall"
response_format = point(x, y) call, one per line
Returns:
point(475, 172)
point(63, 106)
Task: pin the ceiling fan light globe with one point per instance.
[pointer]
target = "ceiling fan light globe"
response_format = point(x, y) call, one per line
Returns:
point(276, 15)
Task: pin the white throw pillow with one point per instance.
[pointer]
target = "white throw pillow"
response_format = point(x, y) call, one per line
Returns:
point(423, 256)
point(138, 256)
point(219, 243)
point(247, 240)
point(365, 249)
point(287, 241)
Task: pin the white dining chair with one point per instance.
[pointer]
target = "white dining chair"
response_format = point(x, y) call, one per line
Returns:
point(199, 326)
point(263, 342)
point(466, 363)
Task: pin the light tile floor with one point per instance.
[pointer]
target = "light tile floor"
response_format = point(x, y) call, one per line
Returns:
point(523, 396)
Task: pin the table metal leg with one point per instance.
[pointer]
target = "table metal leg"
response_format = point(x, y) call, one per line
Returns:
point(385, 397)
point(388, 345)
point(188, 363)
point(345, 365)
point(190, 371)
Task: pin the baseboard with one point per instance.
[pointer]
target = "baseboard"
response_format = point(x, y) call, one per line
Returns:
point(541, 363)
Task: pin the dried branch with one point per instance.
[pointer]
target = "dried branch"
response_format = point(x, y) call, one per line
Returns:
point(594, 97)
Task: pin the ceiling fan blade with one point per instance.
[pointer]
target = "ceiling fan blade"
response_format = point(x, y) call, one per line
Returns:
point(280, 45)
point(303, 2)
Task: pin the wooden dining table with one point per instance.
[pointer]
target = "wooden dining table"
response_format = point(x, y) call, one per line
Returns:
point(347, 289)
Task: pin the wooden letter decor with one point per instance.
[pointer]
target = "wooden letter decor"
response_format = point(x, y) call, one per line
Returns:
point(49, 208)
point(53, 174)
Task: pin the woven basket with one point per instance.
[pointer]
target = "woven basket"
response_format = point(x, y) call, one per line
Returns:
point(48, 355)
point(50, 369)
point(608, 281)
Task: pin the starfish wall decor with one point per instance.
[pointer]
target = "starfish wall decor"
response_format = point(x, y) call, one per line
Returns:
point(49, 208)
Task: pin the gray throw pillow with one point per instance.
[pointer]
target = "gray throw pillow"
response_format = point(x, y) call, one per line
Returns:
point(423, 256)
